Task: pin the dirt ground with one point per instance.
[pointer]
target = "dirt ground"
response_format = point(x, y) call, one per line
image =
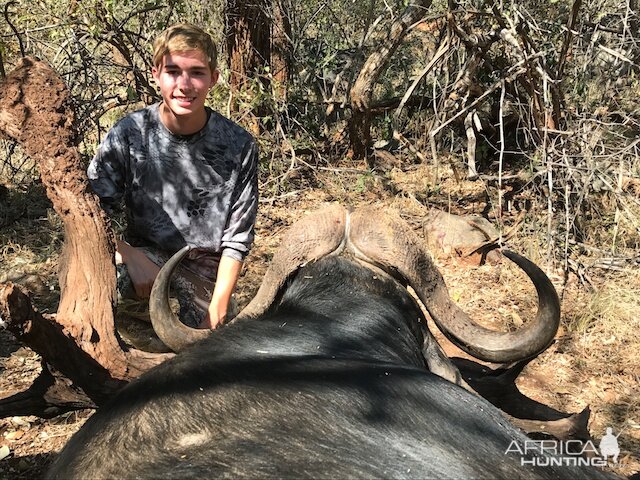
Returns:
point(591, 363)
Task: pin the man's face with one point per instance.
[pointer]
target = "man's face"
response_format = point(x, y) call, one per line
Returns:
point(184, 79)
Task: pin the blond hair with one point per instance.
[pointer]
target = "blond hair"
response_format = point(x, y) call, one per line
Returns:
point(182, 38)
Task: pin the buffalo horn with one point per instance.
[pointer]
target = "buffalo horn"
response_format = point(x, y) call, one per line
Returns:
point(311, 238)
point(386, 240)
point(175, 334)
point(315, 236)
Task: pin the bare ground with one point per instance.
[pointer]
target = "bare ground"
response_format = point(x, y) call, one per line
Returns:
point(594, 362)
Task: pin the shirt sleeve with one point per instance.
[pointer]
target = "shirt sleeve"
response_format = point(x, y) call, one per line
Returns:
point(238, 235)
point(106, 170)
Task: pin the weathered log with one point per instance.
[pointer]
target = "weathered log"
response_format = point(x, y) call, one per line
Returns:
point(50, 395)
point(47, 337)
point(36, 111)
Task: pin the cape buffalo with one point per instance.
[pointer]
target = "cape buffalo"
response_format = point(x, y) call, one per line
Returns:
point(327, 373)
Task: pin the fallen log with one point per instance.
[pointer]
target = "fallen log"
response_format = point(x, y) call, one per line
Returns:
point(50, 395)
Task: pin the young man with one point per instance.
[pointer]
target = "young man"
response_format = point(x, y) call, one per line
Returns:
point(186, 175)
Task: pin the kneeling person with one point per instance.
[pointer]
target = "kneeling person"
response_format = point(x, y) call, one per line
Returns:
point(186, 176)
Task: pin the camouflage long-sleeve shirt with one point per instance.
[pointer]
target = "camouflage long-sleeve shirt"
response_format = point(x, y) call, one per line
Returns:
point(199, 190)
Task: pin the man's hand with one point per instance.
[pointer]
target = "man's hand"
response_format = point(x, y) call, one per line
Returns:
point(142, 271)
point(228, 273)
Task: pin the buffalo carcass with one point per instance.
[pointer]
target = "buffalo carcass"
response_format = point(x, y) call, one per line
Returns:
point(324, 374)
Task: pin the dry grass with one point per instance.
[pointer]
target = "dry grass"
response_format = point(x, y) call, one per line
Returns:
point(612, 309)
point(604, 325)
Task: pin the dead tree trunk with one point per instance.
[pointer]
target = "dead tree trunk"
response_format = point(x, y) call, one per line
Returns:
point(362, 90)
point(281, 47)
point(248, 46)
point(81, 341)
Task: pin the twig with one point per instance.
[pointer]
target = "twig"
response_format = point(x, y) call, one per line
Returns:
point(616, 227)
point(135, 13)
point(506, 178)
point(280, 197)
point(580, 271)
point(402, 139)
point(575, 8)
point(12, 26)
point(472, 172)
point(288, 144)
point(549, 171)
point(26, 31)
point(546, 130)
point(616, 264)
point(618, 55)
point(491, 89)
point(501, 156)
point(367, 24)
point(357, 171)
point(432, 63)
point(567, 219)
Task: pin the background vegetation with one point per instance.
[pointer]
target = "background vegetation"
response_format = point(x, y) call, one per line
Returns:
point(547, 91)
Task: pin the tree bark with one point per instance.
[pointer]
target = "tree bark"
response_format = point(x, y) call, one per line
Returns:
point(249, 48)
point(82, 343)
point(362, 90)
point(248, 43)
point(280, 47)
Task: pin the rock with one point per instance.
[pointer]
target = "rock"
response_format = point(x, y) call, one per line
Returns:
point(4, 452)
point(20, 422)
point(15, 435)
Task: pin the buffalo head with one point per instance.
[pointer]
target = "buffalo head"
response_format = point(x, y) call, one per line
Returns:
point(382, 241)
